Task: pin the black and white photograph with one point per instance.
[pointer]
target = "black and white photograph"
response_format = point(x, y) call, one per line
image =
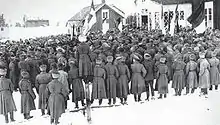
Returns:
point(109, 62)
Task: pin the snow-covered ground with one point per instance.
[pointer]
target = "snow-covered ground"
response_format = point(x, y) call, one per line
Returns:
point(184, 110)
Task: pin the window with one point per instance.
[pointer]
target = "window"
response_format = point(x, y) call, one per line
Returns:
point(210, 14)
point(143, 0)
point(105, 15)
point(206, 23)
point(181, 15)
point(171, 14)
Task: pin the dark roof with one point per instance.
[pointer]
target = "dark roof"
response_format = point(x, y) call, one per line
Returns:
point(82, 14)
point(167, 2)
point(85, 11)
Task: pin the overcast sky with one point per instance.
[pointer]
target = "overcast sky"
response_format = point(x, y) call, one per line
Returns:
point(54, 10)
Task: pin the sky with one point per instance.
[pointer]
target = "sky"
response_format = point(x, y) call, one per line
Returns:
point(54, 10)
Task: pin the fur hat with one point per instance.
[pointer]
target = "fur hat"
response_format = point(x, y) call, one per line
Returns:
point(147, 56)
point(25, 74)
point(163, 59)
point(82, 38)
point(43, 67)
point(72, 61)
point(202, 55)
point(3, 71)
point(98, 61)
point(55, 74)
point(109, 58)
point(192, 57)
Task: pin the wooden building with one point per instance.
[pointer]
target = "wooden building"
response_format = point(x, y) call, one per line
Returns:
point(107, 17)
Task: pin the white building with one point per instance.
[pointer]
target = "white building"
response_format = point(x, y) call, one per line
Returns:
point(150, 12)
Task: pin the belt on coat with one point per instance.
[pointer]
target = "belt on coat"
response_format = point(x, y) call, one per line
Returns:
point(24, 91)
point(4, 90)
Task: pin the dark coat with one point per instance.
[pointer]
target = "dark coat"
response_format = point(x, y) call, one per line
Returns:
point(77, 85)
point(98, 85)
point(111, 81)
point(56, 101)
point(7, 103)
point(27, 96)
point(162, 78)
point(41, 82)
point(83, 57)
point(137, 79)
point(149, 66)
point(14, 73)
point(179, 75)
point(123, 80)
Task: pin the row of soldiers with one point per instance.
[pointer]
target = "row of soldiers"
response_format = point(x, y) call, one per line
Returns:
point(110, 65)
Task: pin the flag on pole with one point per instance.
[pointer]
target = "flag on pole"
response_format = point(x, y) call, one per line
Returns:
point(198, 15)
point(174, 22)
point(90, 20)
point(176, 19)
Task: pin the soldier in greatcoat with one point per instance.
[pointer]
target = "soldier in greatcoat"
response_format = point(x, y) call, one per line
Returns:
point(111, 80)
point(14, 72)
point(41, 82)
point(83, 56)
point(27, 95)
point(98, 84)
point(162, 77)
point(149, 78)
point(56, 94)
point(204, 75)
point(7, 104)
point(214, 71)
point(76, 84)
point(137, 79)
point(191, 74)
point(63, 79)
point(123, 80)
point(178, 82)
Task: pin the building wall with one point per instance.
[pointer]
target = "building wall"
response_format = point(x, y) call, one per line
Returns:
point(112, 16)
point(36, 23)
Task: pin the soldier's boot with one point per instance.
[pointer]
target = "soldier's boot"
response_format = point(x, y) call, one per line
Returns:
point(193, 90)
point(139, 97)
point(165, 95)
point(82, 102)
point(176, 92)
point(76, 105)
point(109, 101)
point(122, 101)
point(125, 101)
point(42, 112)
point(210, 87)
point(51, 121)
point(187, 90)
point(56, 121)
point(28, 116)
point(100, 101)
point(12, 116)
point(114, 101)
point(6, 118)
point(216, 87)
point(160, 97)
point(180, 92)
point(135, 97)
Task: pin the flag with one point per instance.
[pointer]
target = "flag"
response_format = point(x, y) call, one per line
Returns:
point(175, 23)
point(162, 19)
point(176, 19)
point(197, 15)
point(90, 20)
point(135, 2)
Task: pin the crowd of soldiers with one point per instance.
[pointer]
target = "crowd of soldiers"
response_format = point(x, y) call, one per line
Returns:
point(117, 64)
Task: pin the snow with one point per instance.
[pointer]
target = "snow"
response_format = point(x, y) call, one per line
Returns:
point(184, 110)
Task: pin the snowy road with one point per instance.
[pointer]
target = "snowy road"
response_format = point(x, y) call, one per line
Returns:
point(184, 110)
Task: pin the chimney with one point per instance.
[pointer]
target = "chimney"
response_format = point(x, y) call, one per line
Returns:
point(103, 1)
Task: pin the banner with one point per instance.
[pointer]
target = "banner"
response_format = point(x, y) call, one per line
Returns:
point(198, 15)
